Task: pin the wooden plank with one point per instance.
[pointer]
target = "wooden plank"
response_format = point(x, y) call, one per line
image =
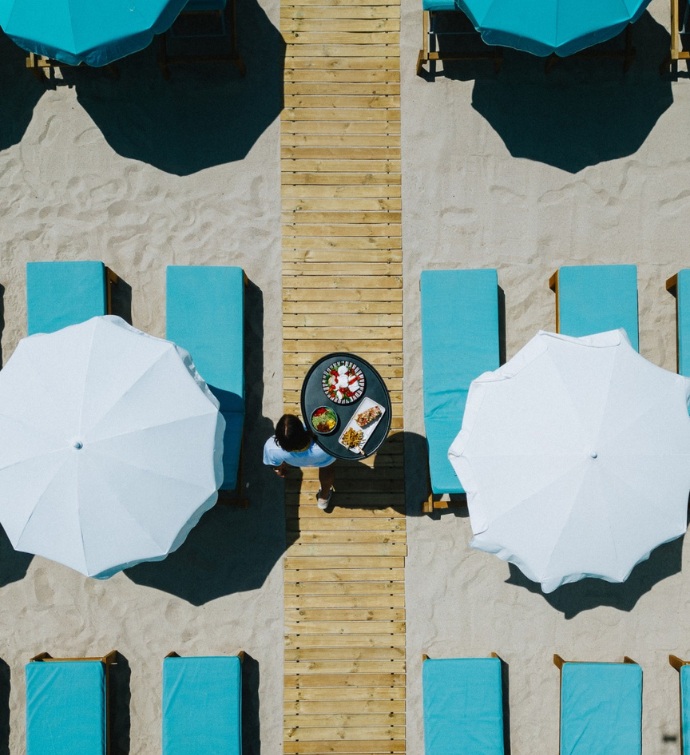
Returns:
point(383, 308)
point(297, 62)
point(353, 627)
point(390, 142)
point(346, 152)
point(329, 589)
point(380, 191)
point(349, 204)
point(331, 562)
point(361, 113)
point(342, 681)
point(346, 281)
point(344, 537)
point(348, 666)
point(328, 28)
point(345, 268)
point(377, 359)
point(294, 14)
point(348, 733)
point(337, 615)
point(319, 574)
point(344, 641)
point(345, 719)
point(347, 74)
point(344, 245)
point(364, 40)
point(351, 654)
point(344, 707)
point(347, 550)
point(321, 26)
point(343, 748)
point(342, 127)
point(383, 217)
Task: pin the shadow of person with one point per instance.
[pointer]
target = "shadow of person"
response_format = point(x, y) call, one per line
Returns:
point(21, 90)
point(590, 593)
point(583, 112)
point(205, 115)
point(376, 484)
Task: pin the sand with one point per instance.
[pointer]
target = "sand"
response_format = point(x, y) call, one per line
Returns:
point(519, 171)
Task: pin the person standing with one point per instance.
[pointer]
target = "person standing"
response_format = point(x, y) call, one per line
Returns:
point(293, 445)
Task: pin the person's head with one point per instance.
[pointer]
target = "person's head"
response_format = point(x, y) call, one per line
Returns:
point(291, 435)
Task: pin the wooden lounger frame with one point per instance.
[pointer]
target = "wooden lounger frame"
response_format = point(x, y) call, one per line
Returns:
point(44, 68)
point(107, 660)
point(430, 54)
point(672, 288)
point(228, 16)
point(675, 53)
point(173, 654)
point(677, 664)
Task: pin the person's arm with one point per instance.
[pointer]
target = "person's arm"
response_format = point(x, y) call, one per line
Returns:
point(281, 471)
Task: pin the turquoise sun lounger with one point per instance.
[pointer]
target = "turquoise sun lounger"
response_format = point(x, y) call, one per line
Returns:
point(679, 286)
point(202, 705)
point(601, 708)
point(460, 341)
point(59, 294)
point(463, 706)
point(67, 705)
point(205, 315)
point(594, 298)
point(683, 669)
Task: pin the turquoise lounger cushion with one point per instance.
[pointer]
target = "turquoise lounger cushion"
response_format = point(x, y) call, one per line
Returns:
point(463, 706)
point(66, 708)
point(205, 315)
point(685, 706)
point(683, 302)
point(459, 313)
point(601, 709)
point(595, 298)
point(59, 294)
point(202, 706)
point(439, 5)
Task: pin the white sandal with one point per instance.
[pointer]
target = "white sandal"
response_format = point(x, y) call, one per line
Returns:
point(321, 502)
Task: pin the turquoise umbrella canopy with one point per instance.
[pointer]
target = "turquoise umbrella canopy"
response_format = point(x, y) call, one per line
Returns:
point(543, 27)
point(86, 31)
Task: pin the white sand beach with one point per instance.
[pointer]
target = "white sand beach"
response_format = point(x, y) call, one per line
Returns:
point(519, 171)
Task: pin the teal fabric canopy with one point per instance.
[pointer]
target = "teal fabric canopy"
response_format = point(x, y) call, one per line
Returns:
point(543, 27)
point(83, 31)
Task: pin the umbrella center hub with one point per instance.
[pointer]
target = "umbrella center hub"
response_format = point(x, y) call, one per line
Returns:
point(593, 454)
point(77, 445)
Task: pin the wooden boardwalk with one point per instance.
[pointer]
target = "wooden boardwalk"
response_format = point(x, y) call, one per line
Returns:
point(342, 291)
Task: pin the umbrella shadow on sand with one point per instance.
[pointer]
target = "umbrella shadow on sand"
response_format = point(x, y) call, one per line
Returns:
point(20, 89)
point(585, 111)
point(587, 594)
point(205, 115)
point(232, 549)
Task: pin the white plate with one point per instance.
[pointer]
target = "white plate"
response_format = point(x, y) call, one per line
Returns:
point(367, 403)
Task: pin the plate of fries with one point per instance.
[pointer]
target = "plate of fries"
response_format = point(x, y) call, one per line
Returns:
point(361, 425)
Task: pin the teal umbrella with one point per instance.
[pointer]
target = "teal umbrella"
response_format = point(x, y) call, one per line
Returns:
point(543, 27)
point(95, 32)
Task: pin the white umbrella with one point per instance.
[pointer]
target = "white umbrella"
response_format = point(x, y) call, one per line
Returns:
point(110, 446)
point(575, 456)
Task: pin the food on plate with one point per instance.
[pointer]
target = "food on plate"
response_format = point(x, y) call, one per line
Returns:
point(324, 420)
point(352, 438)
point(343, 382)
point(365, 418)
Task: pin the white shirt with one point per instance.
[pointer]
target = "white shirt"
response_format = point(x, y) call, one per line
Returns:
point(314, 456)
